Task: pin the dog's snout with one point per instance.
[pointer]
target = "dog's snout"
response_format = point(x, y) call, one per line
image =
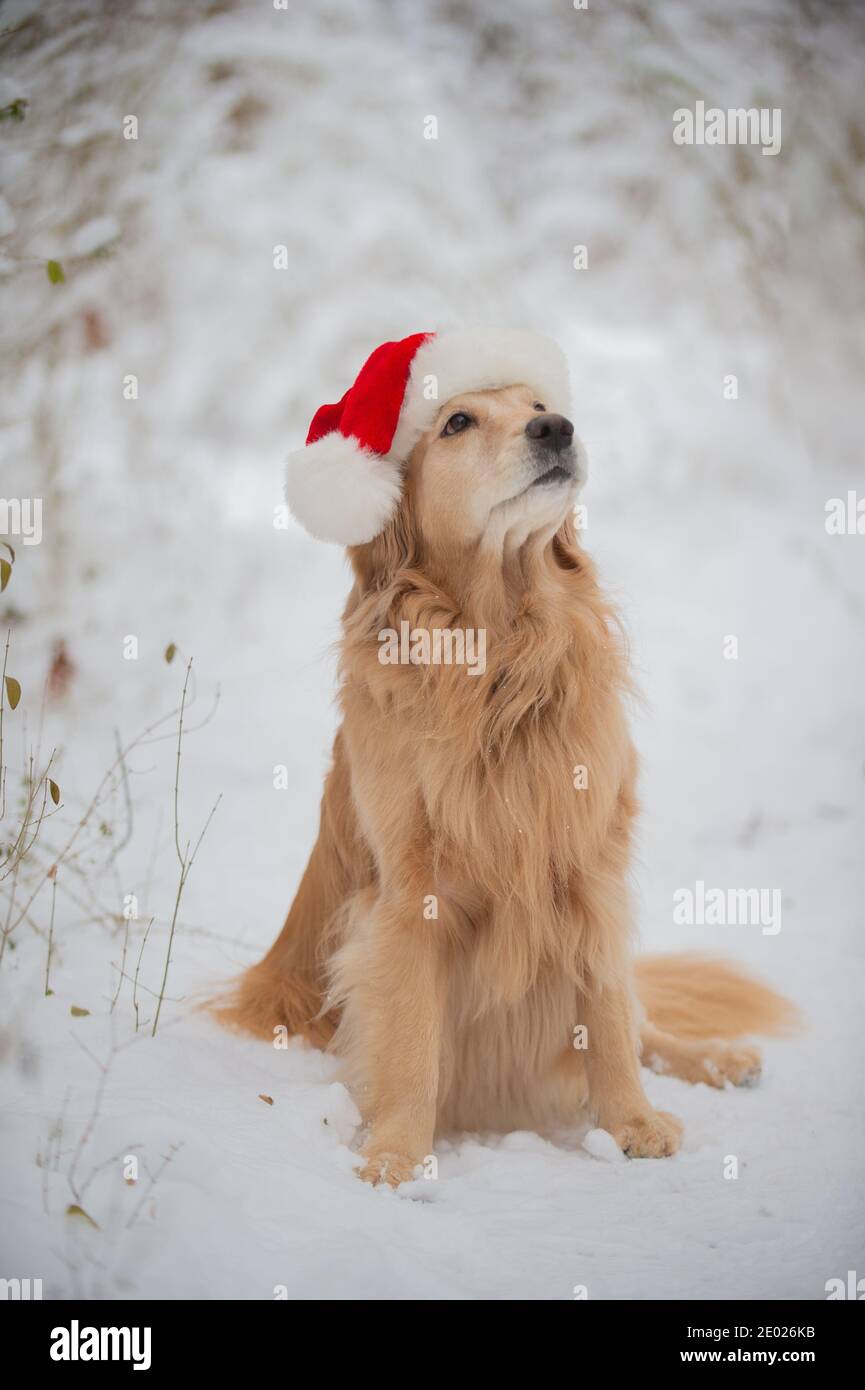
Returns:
point(550, 431)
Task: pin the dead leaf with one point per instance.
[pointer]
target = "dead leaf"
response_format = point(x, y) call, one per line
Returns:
point(74, 1210)
point(13, 690)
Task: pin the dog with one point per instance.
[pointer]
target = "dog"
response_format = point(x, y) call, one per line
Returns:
point(462, 936)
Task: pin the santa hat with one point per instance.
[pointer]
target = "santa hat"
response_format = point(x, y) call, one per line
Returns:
point(345, 484)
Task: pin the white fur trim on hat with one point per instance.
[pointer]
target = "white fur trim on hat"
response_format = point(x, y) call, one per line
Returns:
point(340, 491)
point(479, 359)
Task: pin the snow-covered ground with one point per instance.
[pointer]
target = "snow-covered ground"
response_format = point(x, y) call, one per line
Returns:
point(260, 128)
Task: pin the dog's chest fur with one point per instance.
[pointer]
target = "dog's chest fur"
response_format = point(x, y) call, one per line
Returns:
point(516, 789)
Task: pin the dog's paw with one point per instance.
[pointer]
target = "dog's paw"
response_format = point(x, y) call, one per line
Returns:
point(741, 1066)
point(392, 1168)
point(656, 1134)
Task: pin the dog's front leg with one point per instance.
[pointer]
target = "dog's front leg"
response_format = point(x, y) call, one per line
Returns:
point(618, 1100)
point(396, 1005)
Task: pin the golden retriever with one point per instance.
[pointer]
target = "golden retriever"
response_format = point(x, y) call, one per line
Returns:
point(462, 935)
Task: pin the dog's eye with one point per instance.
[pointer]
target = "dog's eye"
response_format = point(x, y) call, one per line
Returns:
point(457, 423)
point(537, 406)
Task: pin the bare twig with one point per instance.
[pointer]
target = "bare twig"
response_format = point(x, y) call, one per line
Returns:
point(177, 768)
point(185, 858)
point(166, 1159)
point(127, 800)
point(122, 972)
point(87, 1132)
point(21, 846)
point(48, 990)
point(137, 971)
point(2, 707)
point(186, 866)
point(91, 807)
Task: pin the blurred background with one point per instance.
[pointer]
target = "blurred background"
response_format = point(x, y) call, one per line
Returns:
point(279, 212)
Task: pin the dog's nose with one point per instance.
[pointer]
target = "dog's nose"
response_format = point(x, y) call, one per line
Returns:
point(550, 431)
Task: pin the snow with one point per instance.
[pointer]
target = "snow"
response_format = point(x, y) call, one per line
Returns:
point(304, 128)
point(93, 236)
point(603, 1146)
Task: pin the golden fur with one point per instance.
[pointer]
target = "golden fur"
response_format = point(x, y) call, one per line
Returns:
point(454, 795)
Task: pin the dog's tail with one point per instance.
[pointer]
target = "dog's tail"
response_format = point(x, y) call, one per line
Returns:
point(696, 996)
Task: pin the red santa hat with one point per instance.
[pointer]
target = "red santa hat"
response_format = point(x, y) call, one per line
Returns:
point(345, 484)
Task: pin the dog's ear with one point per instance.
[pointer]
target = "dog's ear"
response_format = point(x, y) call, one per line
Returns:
point(377, 563)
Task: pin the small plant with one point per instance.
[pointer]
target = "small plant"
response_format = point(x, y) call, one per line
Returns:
point(14, 110)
